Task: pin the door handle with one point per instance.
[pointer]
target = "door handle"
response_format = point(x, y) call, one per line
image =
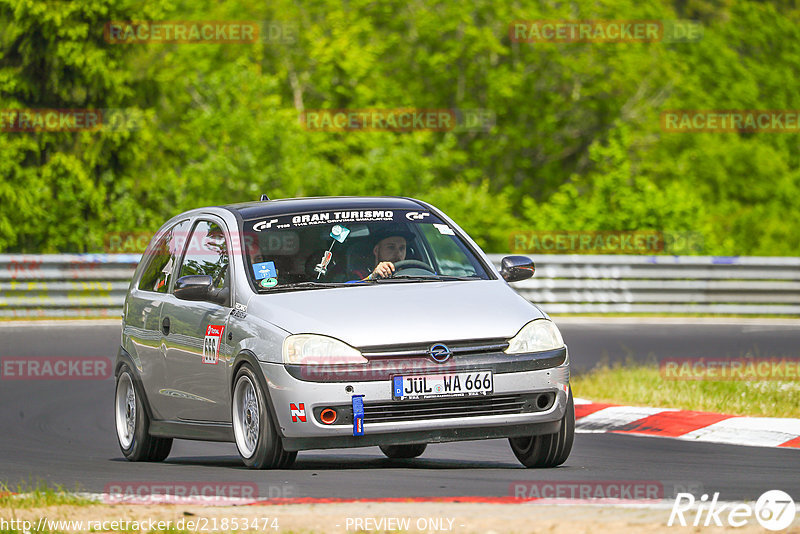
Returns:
point(165, 326)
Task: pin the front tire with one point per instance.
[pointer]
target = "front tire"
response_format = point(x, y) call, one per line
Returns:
point(256, 438)
point(132, 423)
point(397, 452)
point(548, 450)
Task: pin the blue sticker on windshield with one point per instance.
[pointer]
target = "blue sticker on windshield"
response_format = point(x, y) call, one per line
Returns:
point(340, 233)
point(264, 269)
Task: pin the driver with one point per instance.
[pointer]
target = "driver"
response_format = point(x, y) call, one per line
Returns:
point(390, 248)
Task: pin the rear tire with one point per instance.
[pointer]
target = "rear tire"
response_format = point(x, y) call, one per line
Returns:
point(397, 452)
point(132, 423)
point(257, 440)
point(548, 450)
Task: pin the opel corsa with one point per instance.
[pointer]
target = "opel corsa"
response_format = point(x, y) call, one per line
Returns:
point(315, 323)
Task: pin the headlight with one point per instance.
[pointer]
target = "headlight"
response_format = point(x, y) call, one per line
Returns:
point(313, 349)
point(536, 336)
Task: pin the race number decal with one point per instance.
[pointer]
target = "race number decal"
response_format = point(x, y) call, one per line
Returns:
point(211, 343)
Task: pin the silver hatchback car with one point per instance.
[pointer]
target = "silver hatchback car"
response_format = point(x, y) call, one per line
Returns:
point(314, 323)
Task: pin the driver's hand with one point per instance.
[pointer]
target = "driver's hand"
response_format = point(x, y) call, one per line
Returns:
point(385, 269)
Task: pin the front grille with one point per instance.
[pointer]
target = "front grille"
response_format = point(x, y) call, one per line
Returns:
point(419, 410)
point(461, 347)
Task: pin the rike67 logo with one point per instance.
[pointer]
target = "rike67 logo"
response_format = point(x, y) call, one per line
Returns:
point(774, 510)
point(211, 343)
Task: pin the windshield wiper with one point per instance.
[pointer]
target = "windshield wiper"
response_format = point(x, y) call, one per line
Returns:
point(423, 278)
point(306, 285)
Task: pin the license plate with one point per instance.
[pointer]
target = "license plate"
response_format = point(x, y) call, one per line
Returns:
point(444, 385)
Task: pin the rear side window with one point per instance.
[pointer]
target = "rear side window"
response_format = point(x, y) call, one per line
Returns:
point(207, 253)
point(162, 258)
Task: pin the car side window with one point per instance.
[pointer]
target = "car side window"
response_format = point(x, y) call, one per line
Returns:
point(162, 258)
point(207, 254)
point(451, 258)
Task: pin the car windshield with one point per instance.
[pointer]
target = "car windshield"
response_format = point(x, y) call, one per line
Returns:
point(338, 248)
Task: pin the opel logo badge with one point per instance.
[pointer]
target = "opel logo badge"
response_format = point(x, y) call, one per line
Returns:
point(440, 353)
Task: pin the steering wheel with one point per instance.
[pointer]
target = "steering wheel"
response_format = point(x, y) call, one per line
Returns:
point(411, 264)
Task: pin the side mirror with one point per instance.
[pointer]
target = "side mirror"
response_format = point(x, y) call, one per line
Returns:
point(194, 287)
point(516, 268)
point(201, 287)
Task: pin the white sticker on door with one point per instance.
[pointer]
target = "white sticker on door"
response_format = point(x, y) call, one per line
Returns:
point(211, 343)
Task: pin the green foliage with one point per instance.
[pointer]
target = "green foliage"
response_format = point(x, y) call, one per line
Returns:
point(577, 143)
point(62, 191)
point(611, 197)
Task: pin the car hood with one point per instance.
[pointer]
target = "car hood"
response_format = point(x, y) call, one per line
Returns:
point(400, 313)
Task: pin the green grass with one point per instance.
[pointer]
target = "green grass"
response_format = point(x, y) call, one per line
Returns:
point(643, 385)
point(38, 495)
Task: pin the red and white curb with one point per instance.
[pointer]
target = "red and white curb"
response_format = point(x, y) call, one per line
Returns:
point(687, 425)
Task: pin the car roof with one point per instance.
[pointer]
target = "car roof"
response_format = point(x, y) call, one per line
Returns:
point(286, 206)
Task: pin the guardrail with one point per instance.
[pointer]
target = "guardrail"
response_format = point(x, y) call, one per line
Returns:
point(664, 284)
point(95, 284)
point(65, 285)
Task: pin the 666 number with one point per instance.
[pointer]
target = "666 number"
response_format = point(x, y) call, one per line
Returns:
point(478, 383)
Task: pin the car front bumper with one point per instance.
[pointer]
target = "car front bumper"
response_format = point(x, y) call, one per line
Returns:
point(297, 404)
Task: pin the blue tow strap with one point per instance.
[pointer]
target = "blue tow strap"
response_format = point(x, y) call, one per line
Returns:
point(358, 415)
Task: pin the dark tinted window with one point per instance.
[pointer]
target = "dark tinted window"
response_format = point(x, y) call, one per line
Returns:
point(162, 257)
point(207, 253)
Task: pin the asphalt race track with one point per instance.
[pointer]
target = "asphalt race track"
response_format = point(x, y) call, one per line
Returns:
point(62, 432)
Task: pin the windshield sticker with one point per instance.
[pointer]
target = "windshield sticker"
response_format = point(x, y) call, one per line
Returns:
point(269, 282)
point(444, 229)
point(211, 343)
point(342, 216)
point(264, 225)
point(264, 269)
point(283, 222)
point(340, 233)
point(322, 266)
